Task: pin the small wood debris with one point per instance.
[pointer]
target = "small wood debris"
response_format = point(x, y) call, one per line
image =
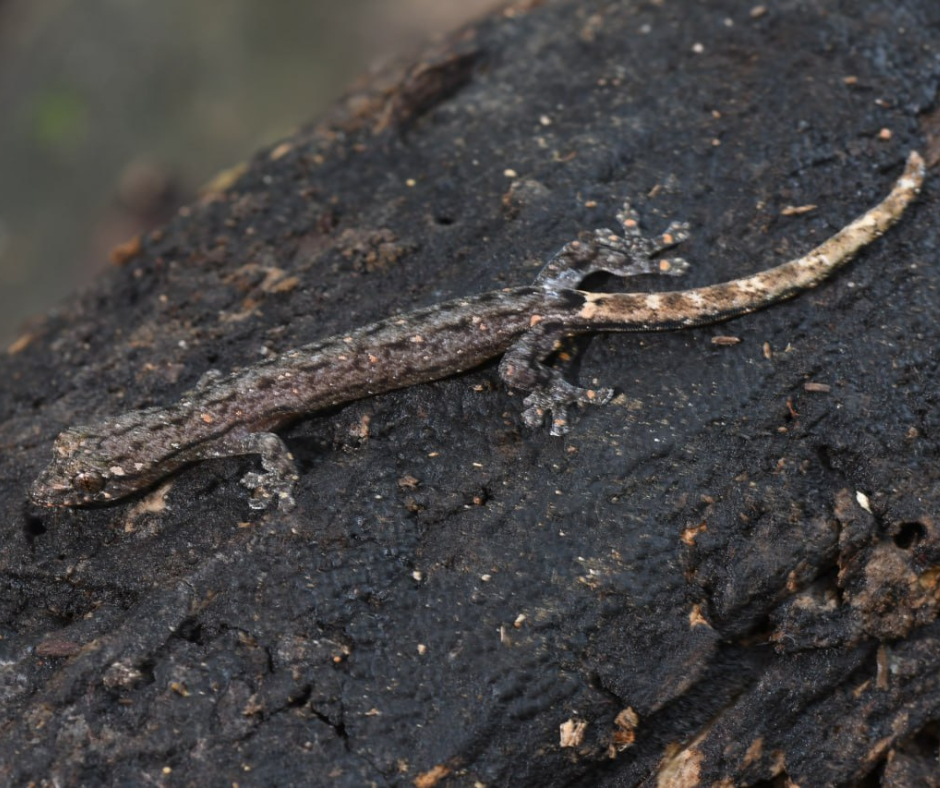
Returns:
point(797, 210)
point(126, 251)
point(571, 733)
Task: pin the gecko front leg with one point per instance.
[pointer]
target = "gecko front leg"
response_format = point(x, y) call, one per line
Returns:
point(277, 482)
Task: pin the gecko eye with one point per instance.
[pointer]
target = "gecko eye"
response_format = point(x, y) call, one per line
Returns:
point(88, 482)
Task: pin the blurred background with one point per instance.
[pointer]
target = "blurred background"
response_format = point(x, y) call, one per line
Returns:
point(114, 112)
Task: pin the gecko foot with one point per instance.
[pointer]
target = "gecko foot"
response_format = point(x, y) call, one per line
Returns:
point(268, 487)
point(674, 234)
point(556, 400)
point(277, 482)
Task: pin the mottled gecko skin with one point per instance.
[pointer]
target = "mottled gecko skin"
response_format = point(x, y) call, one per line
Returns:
point(236, 414)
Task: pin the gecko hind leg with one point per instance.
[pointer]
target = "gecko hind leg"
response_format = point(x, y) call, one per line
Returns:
point(633, 254)
point(550, 394)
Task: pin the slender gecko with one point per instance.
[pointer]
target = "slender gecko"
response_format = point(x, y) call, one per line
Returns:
point(236, 414)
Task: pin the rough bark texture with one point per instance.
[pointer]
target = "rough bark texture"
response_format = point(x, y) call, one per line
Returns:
point(723, 576)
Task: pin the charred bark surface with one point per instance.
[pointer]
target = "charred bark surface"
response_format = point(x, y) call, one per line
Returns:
point(725, 575)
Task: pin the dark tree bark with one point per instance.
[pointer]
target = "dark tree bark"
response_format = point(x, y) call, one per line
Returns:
point(726, 575)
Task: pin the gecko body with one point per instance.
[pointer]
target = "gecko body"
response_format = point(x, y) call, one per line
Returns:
point(238, 413)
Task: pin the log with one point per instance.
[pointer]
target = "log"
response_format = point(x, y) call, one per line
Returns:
point(728, 575)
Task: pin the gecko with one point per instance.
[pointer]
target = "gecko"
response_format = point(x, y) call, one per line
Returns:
point(238, 413)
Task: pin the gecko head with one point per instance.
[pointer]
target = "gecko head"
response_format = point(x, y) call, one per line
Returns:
point(79, 474)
